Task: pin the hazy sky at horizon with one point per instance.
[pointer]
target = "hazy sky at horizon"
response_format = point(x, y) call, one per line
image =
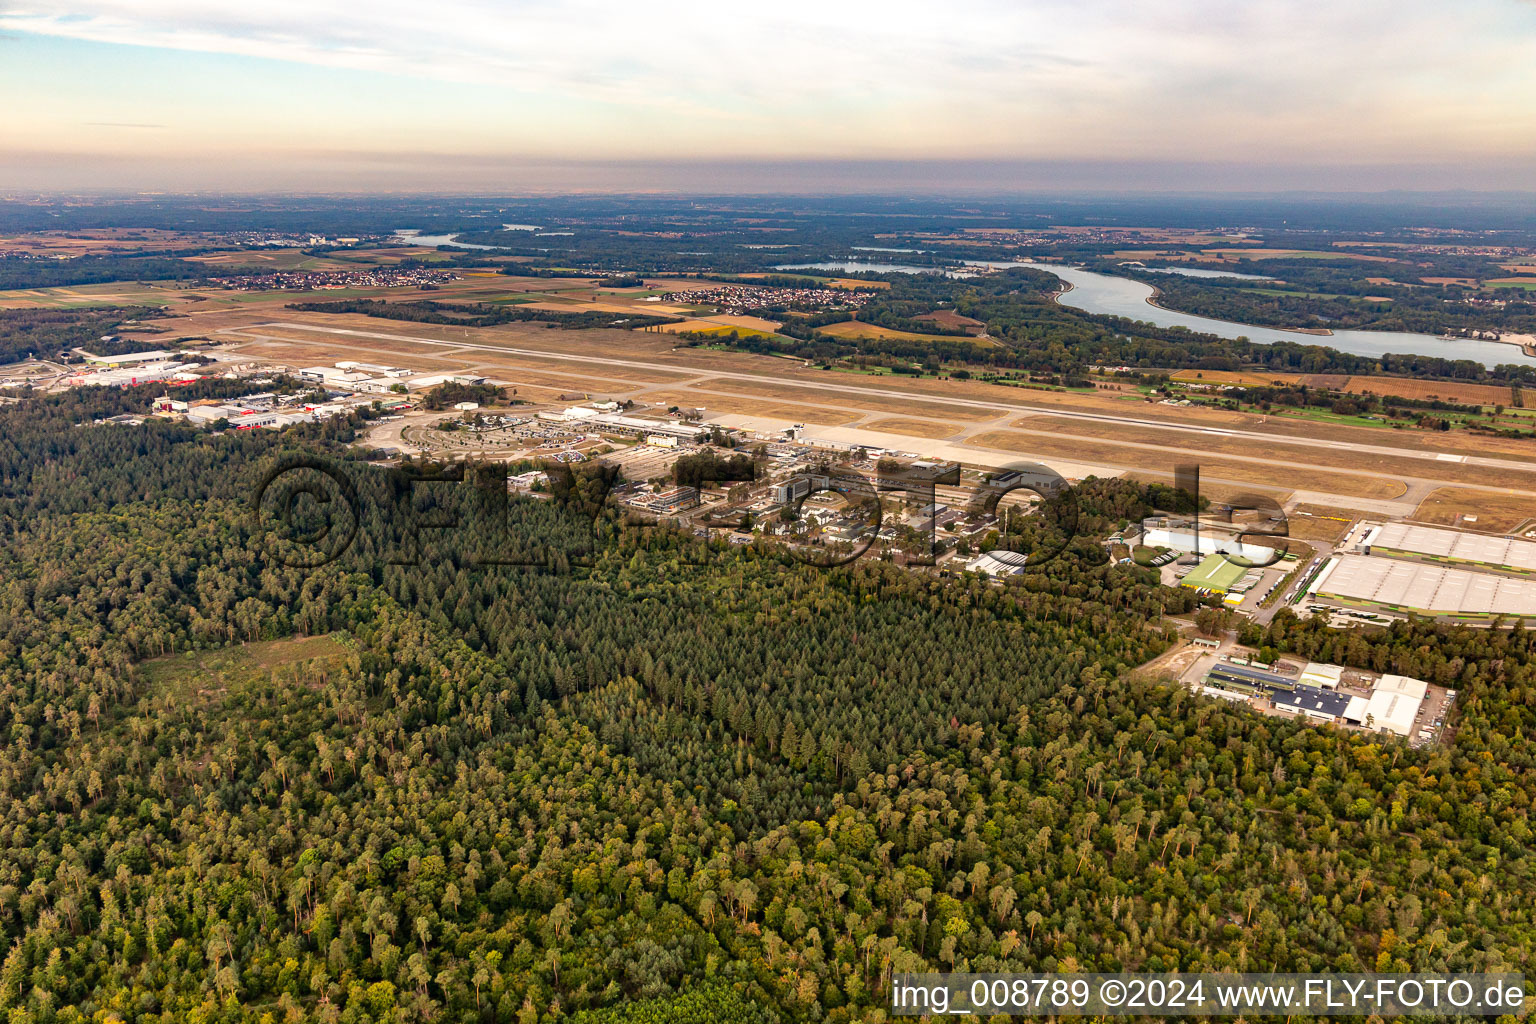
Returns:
point(466, 93)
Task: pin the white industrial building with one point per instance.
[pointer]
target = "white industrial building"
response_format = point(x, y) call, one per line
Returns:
point(1394, 704)
point(1423, 587)
point(334, 375)
point(997, 563)
point(1324, 677)
point(610, 422)
point(374, 369)
point(125, 359)
point(1207, 542)
point(142, 373)
point(1451, 545)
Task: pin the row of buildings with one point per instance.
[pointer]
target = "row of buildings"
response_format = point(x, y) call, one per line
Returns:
point(1393, 703)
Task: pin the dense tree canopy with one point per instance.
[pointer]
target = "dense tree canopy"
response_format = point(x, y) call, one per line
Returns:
point(638, 779)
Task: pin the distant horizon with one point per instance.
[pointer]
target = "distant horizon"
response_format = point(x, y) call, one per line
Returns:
point(376, 174)
point(806, 96)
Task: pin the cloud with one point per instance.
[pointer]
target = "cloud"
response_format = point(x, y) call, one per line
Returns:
point(983, 78)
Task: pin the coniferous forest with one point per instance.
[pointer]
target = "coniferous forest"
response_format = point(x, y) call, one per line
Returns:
point(627, 779)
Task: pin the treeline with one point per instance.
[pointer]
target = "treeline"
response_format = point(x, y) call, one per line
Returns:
point(31, 272)
point(451, 393)
point(710, 468)
point(481, 314)
point(55, 333)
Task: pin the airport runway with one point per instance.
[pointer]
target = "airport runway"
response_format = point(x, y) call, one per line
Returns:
point(687, 375)
point(975, 403)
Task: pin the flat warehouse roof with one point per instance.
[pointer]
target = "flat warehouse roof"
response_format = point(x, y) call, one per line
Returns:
point(1429, 588)
point(1310, 698)
point(1465, 547)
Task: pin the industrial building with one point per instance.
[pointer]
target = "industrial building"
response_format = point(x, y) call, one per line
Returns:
point(126, 359)
point(333, 375)
point(678, 499)
point(1215, 574)
point(1451, 546)
point(1394, 704)
point(993, 563)
point(139, 373)
point(1425, 588)
point(1324, 705)
point(617, 423)
point(1203, 542)
point(1324, 677)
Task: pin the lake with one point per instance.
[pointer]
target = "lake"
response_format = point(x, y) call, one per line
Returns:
point(1120, 296)
point(411, 236)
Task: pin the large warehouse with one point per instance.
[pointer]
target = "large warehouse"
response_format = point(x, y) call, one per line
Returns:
point(1451, 546)
point(1215, 573)
point(1421, 587)
point(1394, 704)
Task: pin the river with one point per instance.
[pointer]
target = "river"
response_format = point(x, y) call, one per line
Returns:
point(1120, 296)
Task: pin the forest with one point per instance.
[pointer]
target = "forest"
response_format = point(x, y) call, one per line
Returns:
point(478, 314)
point(1344, 295)
point(566, 767)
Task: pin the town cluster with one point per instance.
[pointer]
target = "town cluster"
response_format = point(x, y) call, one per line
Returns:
point(738, 299)
point(333, 280)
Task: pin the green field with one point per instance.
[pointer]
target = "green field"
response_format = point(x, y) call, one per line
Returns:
point(203, 675)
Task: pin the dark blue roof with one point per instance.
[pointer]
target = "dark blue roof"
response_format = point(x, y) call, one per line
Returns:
point(1310, 698)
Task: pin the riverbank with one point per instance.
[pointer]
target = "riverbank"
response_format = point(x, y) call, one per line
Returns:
point(1109, 295)
point(1312, 332)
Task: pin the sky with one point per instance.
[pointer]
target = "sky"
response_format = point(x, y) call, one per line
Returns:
point(798, 95)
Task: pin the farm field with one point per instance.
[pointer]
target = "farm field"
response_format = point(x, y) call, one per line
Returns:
point(1320, 523)
point(271, 259)
point(716, 403)
point(1132, 450)
point(1496, 513)
point(931, 429)
point(1293, 254)
point(856, 329)
point(1429, 390)
point(1277, 453)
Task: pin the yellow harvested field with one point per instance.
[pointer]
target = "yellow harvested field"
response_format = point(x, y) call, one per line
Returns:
point(1316, 522)
point(1311, 254)
point(917, 428)
point(851, 399)
point(1255, 380)
point(855, 329)
point(1496, 513)
point(1277, 456)
point(1260, 475)
point(1445, 391)
point(715, 404)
